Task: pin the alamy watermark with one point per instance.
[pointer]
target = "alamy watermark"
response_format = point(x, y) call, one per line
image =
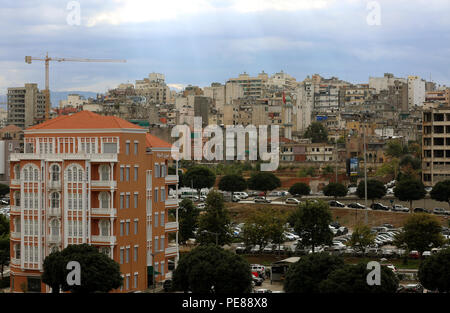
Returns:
point(235, 143)
point(74, 16)
point(74, 276)
point(374, 16)
point(374, 276)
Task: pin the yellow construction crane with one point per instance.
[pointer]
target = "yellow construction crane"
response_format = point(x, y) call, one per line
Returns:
point(47, 60)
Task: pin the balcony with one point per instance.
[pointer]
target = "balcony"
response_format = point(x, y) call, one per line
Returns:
point(15, 235)
point(96, 157)
point(171, 203)
point(54, 185)
point(171, 226)
point(171, 179)
point(103, 239)
point(104, 212)
point(171, 251)
point(53, 239)
point(15, 261)
point(15, 182)
point(104, 184)
point(54, 212)
point(15, 209)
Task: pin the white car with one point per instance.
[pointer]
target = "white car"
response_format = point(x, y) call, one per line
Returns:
point(399, 208)
point(292, 201)
point(241, 194)
point(201, 206)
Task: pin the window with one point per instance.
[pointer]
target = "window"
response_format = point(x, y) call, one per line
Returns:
point(109, 147)
point(156, 194)
point(136, 145)
point(156, 219)
point(104, 173)
point(135, 280)
point(121, 228)
point(135, 254)
point(121, 201)
point(55, 172)
point(54, 227)
point(127, 228)
point(104, 200)
point(127, 255)
point(162, 243)
point(136, 173)
point(127, 174)
point(163, 170)
point(17, 171)
point(17, 251)
point(162, 218)
point(156, 244)
point(157, 170)
point(127, 283)
point(121, 255)
point(135, 200)
point(127, 148)
point(104, 228)
point(54, 200)
point(162, 268)
point(163, 194)
point(135, 227)
point(127, 202)
point(121, 173)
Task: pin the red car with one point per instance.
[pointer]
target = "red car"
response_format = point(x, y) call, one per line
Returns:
point(414, 254)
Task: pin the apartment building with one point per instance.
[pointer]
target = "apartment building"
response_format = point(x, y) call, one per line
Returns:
point(100, 180)
point(153, 88)
point(435, 144)
point(416, 91)
point(253, 87)
point(26, 105)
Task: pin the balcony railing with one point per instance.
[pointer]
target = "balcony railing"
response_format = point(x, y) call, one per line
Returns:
point(54, 239)
point(15, 182)
point(103, 239)
point(15, 261)
point(171, 250)
point(171, 226)
point(54, 212)
point(15, 235)
point(54, 184)
point(15, 209)
point(171, 179)
point(96, 157)
point(104, 183)
point(172, 202)
point(104, 211)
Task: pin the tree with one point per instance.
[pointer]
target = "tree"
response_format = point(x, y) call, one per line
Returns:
point(328, 170)
point(232, 183)
point(409, 190)
point(317, 132)
point(434, 273)
point(305, 275)
point(353, 279)
point(375, 189)
point(4, 189)
point(361, 238)
point(300, 189)
point(394, 149)
point(4, 251)
point(4, 225)
point(209, 269)
point(420, 232)
point(99, 273)
point(214, 221)
point(409, 160)
point(335, 190)
point(264, 181)
point(188, 219)
point(264, 226)
point(441, 191)
point(311, 221)
point(199, 177)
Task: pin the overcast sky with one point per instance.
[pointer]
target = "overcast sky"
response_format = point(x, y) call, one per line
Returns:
point(202, 41)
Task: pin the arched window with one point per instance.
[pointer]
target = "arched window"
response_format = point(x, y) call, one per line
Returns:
point(36, 175)
point(75, 174)
point(55, 172)
point(104, 200)
point(69, 174)
point(105, 250)
point(25, 174)
point(54, 227)
point(104, 173)
point(104, 228)
point(17, 225)
point(54, 198)
point(17, 171)
point(17, 198)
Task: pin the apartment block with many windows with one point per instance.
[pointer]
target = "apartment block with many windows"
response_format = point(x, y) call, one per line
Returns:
point(93, 179)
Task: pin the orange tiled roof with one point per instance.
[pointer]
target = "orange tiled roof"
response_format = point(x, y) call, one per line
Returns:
point(10, 128)
point(154, 142)
point(84, 120)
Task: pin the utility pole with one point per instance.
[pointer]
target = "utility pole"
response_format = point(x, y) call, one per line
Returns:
point(336, 161)
point(366, 217)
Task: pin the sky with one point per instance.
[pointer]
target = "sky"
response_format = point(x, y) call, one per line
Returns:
point(203, 41)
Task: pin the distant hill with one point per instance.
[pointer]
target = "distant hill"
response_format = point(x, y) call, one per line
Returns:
point(56, 96)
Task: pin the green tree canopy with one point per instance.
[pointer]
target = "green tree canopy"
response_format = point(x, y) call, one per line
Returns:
point(353, 279)
point(4, 225)
point(420, 232)
point(361, 238)
point(263, 226)
point(409, 190)
point(232, 183)
point(394, 149)
point(209, 266)
point(4, 189)
point(311, 221)
point(4, 251)
point(434, 272)
point(300, 189)
point(264, 181)
point(99, 273)
point(317, 132)
point(409, 160)
point(375, 189)
point(199, 177)
point(441, 191)
point(188, 218)
point(305, 275)
point(335, 190)
point(215, 220)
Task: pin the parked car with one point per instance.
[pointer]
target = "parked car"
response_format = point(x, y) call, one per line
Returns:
point(241, 194)
point(356, 206)
point(410, 288)
point(399, 208)
point(426, 254)
point(336, 204)
point(414, 254)
point(262, 200)
point(421, 210)
point(440, 211)
point(262, 291)
point(201, 206)
point(236, 198)
point(292, 201)
point(379, 206)
point(257, 280)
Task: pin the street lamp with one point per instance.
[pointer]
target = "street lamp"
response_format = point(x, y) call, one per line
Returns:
point(212, 233)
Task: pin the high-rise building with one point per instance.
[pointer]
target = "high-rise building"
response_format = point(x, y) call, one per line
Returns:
point(26, 106)
point(99, 180)
point(416, 91)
